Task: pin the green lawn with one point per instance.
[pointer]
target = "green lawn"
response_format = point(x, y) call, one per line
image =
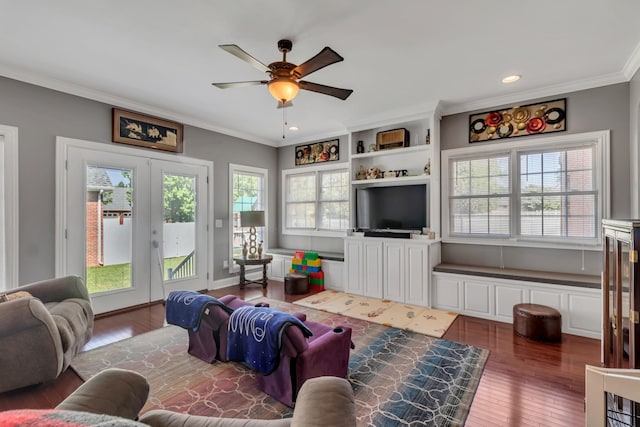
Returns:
point(112, 277)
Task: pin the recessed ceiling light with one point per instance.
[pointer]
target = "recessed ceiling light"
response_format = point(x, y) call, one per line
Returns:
point(512, 78)
point(293, 128)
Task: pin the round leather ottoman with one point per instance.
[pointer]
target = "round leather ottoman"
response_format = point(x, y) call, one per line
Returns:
point(537, 322)
point(296, 283)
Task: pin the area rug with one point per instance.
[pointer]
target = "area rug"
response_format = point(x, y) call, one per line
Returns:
point(423, 320)
point(398, 377)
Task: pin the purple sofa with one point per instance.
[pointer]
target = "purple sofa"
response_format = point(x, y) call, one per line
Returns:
point(326, 353)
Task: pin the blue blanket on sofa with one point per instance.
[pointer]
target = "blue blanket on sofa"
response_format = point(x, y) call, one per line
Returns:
point(255, 336)
point(185, 308)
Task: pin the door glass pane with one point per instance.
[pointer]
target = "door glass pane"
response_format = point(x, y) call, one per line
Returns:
point(109, 230)
point(179, 226)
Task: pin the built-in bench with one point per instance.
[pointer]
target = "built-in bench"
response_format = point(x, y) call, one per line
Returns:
point(329, 256)
point(491, 293)
point(332, 263)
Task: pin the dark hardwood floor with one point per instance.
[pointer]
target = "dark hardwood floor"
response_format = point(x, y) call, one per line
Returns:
point(525, 383)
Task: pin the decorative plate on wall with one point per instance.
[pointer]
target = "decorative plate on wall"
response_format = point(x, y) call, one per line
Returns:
point(519, 120)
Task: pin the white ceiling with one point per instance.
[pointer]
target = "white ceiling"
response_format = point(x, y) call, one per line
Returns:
point(401, 57)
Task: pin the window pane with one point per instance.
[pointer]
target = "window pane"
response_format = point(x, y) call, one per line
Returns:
point(300, 215)
point(301, 188)
point(461, 186)
point(334, 215)
point(248, 195)
point(554, 211)
point(334, 186)
point(109, 228)
point(179, 228)
point(459, 221)
point(479, 216)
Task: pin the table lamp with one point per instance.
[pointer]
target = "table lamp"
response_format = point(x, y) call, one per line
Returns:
point(252, 219)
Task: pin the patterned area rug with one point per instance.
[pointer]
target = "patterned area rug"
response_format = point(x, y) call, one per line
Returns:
point(427, 321)
point(398, 377)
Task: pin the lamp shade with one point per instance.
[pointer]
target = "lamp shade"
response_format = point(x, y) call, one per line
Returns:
point(283, 89)
point(252, 218)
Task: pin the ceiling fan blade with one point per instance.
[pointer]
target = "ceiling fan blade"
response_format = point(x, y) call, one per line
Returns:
point(327, 90)
point(240, 84)
point(327, 56)
point(239, 53)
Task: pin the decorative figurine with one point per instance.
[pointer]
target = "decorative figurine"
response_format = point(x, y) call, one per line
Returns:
point(245, 249)
point(427, 140)
point(260, 250)
point(362, 173)
point(427, 168)
point(360, 147)
point(373, 173)
point(372, 148)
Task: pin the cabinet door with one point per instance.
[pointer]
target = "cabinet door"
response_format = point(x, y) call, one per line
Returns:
point(353, 267)
point(333, 275)
point(372, 268)
point(418, 272)
point(276, 268)
point(394, 272)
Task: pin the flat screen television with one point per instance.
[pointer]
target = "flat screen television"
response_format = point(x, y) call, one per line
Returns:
point(392, 208)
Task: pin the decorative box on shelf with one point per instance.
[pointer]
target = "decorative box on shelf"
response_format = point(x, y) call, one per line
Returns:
point(395, 138)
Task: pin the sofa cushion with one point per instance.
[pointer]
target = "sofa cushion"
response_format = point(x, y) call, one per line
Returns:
point(55, 417)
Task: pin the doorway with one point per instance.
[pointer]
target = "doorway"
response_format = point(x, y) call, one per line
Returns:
point(133, 224)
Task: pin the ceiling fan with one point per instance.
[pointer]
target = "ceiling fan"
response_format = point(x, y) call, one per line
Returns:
point(285, 83)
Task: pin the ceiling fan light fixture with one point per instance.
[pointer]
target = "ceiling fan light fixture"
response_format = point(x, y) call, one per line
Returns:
point(283, 89)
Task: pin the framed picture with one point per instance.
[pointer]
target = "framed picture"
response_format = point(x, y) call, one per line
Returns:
point(520, 120)
point(146, 131)
point(318, 152)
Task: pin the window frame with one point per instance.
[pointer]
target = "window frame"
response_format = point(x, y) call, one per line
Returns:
point(601, 162)
point(317, 171)
point(9, 206)
point(249, 170)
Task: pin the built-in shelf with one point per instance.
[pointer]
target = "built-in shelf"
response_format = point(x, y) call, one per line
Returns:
point(393, 152)
point(388, 182)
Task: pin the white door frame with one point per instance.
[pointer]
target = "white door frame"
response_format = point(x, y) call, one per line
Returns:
point(9, 264)
point(63, 145)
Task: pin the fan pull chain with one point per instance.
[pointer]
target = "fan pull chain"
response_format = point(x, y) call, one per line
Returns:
point(284, 120)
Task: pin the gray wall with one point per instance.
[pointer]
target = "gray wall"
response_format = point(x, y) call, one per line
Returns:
point(42, 114)
point(286, 160)
point(588, 110)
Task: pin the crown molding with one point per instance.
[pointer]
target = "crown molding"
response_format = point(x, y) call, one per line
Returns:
point(633, 63)
point(120, 102)
point(552, 90)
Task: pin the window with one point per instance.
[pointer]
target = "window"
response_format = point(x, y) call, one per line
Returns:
point(552, 190)
point(8, 207)
point(248, 192)
point(316, 202)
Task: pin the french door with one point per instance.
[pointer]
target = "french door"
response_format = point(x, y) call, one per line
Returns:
point(135, 226)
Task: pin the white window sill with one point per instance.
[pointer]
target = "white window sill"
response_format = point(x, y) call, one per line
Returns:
point(523, 244)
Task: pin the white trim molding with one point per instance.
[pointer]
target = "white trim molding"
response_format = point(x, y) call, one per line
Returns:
point(11, 207)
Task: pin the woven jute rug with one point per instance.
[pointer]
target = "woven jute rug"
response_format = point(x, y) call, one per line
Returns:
point(398, 377)
point(423, 320)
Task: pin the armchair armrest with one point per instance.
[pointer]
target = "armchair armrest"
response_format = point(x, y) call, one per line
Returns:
point(325, 401)
point(31, 345)
point(116, 392)
point(58, 289)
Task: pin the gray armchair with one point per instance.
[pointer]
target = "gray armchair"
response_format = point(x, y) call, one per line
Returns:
point(40, 335)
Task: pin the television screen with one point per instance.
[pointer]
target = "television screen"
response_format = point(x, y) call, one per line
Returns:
point(391, 208)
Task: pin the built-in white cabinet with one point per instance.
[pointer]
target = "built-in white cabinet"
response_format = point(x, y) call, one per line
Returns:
point(494, 299)
point(395, 269)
